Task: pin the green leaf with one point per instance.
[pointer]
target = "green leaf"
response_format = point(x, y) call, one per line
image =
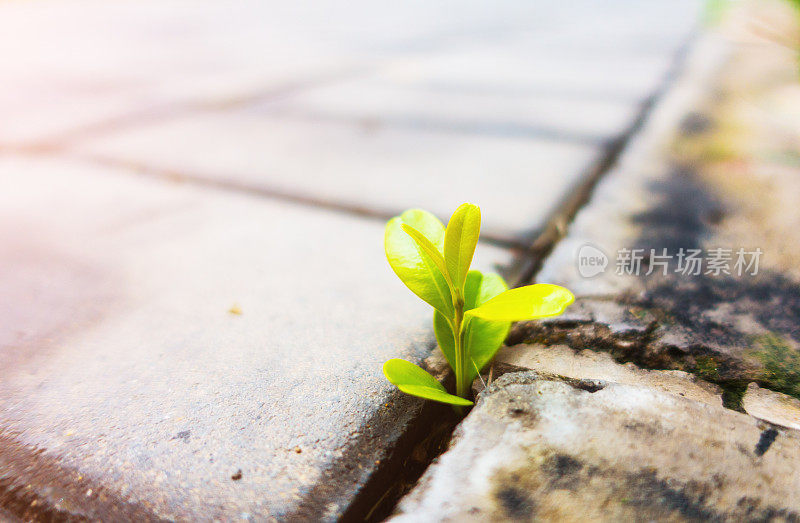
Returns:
point(460, 240)
point(482, 338)
point(428, 248)
point(414, 380)
point(445, 338)
point(480, 288)
point(525, 303)
point(413, 265)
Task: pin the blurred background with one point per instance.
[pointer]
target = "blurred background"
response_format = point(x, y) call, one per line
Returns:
point(377, 106)
point(194, 301)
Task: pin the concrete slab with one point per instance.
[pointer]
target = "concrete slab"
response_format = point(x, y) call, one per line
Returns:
point(535, 449)
point(563, 362)
point(516, 181)
point(772, 406)
point(172, 352)
point(532, 66)
point(84, 63)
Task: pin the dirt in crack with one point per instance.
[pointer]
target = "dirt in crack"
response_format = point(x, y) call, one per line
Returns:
point(409, 459)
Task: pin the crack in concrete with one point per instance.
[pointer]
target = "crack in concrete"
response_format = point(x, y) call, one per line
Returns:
point(644, 348)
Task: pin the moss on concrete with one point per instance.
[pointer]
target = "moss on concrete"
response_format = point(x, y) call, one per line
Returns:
point(781, 364)
point(706, 368)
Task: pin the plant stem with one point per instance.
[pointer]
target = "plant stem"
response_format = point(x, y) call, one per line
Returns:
point(461, 386)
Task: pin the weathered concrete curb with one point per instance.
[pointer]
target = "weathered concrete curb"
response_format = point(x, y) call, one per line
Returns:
point(772, 406)
point(562, 362)
point(726, 328)
point(555, 451)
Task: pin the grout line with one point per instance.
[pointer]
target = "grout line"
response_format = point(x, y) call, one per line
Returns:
point(272, 193)
point(178, 109)
point(418, 123)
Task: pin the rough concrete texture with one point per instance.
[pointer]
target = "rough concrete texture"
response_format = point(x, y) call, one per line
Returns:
point(540, 450)
point(714, 186)
point(563, 361)
point(772, 406)
point(126, 374)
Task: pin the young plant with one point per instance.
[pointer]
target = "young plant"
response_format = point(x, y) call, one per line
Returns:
point(473, 311)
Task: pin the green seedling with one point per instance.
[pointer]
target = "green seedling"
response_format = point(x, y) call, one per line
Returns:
point(473, 311)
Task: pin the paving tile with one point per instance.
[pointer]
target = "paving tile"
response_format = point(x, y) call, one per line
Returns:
point(82, 63)
point(392, 99)
point(563, 52)
point(123, 364)
point(516, 181)
point(536, 68)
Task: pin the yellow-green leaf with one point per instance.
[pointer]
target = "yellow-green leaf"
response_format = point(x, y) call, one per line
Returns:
point(525, 303)
point(482, 338)
point(412, 264)
point(414, 380)
point(460, 240)
point(445, 338)
point(428, 247)
point(482, 287)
